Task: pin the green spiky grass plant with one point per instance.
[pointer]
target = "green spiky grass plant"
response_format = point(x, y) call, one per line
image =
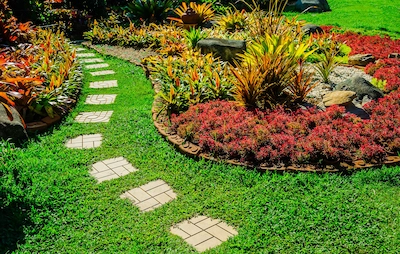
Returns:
point(49, 202)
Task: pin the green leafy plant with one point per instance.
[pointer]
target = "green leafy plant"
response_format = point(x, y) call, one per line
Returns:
point(327, 59)
point(275, 57)
point(193, 36)
point(379, 83)
point(204, 11)
point(301, 83)
point(149, 10)
point(233, 20)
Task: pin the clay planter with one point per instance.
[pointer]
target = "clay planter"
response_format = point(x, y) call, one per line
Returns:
point(190, 17)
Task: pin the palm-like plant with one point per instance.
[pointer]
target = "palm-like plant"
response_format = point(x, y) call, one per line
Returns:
point(149, 10)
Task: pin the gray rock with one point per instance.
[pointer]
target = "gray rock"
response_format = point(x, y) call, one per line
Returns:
point(394, 55)
point(361, 87)
point(226, 49)
point(312, 5)
point(11, 129)
point(361, 59)
point(312, 29)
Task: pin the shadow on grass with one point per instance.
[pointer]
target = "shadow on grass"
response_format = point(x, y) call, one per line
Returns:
point(14, 217)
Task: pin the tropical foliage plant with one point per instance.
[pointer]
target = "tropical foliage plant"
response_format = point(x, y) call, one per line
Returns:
point(149, 11)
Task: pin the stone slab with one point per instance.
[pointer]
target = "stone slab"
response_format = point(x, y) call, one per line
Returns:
point(103, 84)
point(85, 141)
point(91, 60)
point(100, 99)
point(146, 199)
point(97, 66)
point(108, 169)
point(102, 73)
point(94, 117)
point(203, 233)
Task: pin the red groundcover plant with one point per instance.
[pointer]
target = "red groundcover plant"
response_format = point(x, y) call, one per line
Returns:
point(273, 137)
point(386, 69)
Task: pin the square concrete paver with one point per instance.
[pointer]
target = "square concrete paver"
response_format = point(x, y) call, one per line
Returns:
point(91, 60)
point(100, 99)
point(102, 73)
point(85, 55)
point(203, 232)
point(97, 66)
point(104, 84)
point(111, 169)
point(80, 49)
point(85, 141)
point(94, 117)
point(150, 196)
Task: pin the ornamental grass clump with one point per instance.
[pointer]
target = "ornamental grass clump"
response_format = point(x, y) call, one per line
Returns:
point(266, 70)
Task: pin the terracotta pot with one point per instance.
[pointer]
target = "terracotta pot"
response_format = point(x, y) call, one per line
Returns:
point(190, 17)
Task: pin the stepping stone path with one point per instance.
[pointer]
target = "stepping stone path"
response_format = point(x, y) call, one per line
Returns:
point(103, 84)
point(85, 141)
point(203, 233)
point(85, 55)
point(111, 169)
point(101, 73)
point(91, 60)
point(96, 66)
point(150, 196)
point(80, 49)
point(94, 117)
point(101, 99)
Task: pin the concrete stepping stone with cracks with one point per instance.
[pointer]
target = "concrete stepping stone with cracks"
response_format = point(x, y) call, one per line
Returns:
point(111, 169)
point(102, 73)
point(91, 60)
point(94, 117)
point(203, 232)
point(100, 99)
point(150, 196)
point(85, 55)
point(104, 84)
point(85, 141)
point(97, 66)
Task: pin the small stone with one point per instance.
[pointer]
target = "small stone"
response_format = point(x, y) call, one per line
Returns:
point(312, 5)
point(361, 59)
point(226, 49)
point(361, 86)
point(394, 55)
point(342, 98)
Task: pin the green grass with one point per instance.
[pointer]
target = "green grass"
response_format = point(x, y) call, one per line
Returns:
point(50, 203)
point(366, 16)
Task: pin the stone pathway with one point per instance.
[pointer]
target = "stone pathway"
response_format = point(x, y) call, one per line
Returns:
point(100, 99)
point(97, 66)
point(150, 196)
point(94, 117)
point(104, 84)
point(102, 73)
point(85, 141)
point(201, 232)
point(91, 60)
point(111, 169)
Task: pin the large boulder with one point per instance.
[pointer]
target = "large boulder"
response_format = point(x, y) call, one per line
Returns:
point(11, 129)
point(226, 49)
point(361, 87)
point(312, 5)
point(361, 59)
point(342, 98)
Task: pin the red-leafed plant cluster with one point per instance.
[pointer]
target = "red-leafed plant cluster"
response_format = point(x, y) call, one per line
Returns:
point(386, 69)
point(379, 47)
point(273, 137)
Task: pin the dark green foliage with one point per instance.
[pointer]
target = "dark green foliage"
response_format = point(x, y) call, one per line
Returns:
point(153, 11)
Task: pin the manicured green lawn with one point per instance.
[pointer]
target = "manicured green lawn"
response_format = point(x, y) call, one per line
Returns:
point(367, 16)
point(50, 203)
